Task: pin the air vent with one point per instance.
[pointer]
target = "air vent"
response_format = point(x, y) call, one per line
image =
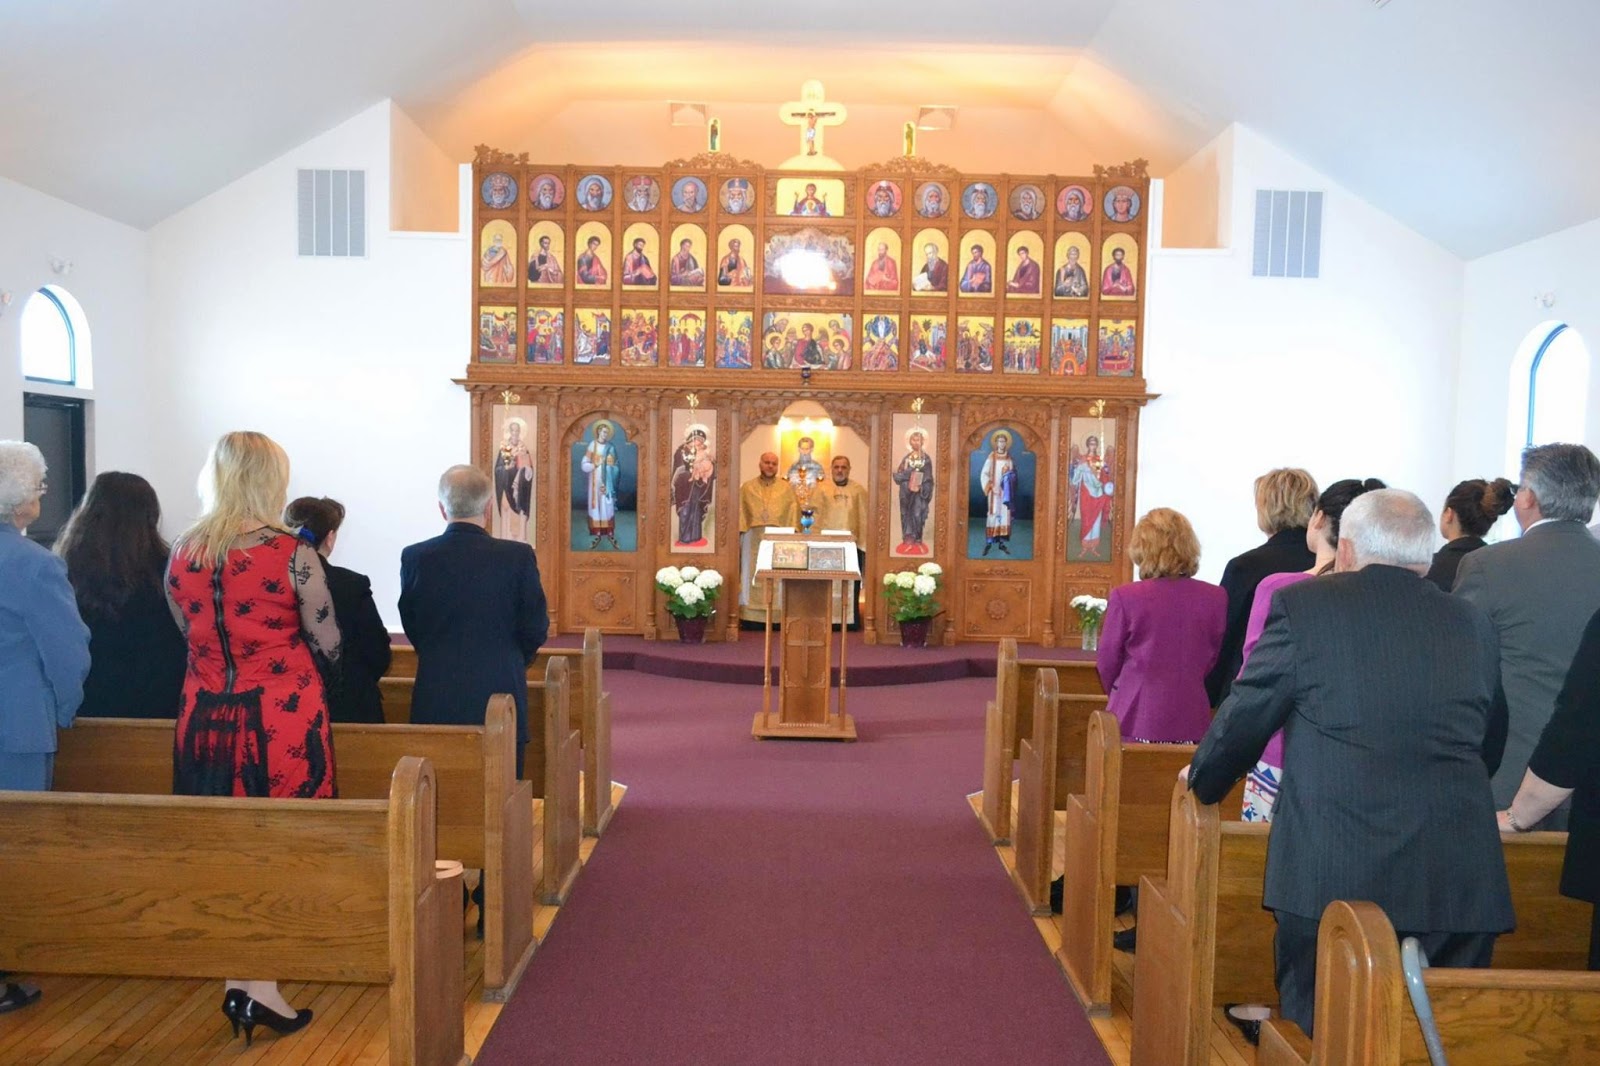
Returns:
point(333, 213)
point(1288, 234)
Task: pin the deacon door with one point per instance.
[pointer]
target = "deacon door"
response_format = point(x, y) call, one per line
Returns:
point(605, 517)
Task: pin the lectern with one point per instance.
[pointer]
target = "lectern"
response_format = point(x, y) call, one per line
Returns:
point(807, 568)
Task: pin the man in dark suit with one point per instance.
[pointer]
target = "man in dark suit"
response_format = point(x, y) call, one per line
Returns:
point(1285, 501)
point(1388, 693)
point(473, 607)
point(1540, 590)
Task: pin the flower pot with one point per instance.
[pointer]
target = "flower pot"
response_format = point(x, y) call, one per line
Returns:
point(692, 630)
point(914, 632)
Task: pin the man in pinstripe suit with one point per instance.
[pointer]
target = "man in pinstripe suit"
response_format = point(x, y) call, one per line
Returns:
point(1388, 693)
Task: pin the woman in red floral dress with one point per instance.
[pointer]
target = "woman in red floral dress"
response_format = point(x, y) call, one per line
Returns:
point(256, 612)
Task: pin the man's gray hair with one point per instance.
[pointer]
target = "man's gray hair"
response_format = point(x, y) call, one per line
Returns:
point(22, 468)
point(464, 492)
point(1390, 527)
point(1564, 478)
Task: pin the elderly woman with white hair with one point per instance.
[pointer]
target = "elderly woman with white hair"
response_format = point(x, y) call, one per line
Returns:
point(44, 646)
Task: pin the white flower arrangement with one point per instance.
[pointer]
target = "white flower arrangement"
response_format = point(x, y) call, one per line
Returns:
point(690, 591)
point(1091, 611)
point(911, 592)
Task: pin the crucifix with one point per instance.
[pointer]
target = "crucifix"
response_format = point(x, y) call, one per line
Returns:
point(812, 114)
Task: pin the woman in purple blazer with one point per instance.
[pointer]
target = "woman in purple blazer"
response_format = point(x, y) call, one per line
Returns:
point(1162, 635)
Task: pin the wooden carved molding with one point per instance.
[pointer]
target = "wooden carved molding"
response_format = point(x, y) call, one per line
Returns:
point(983, 417)
point(714, 161)
point(1138, 170)
point(762, 410)
point(633, 409)
point(484, 156)
point(857, 415)
point(916, 165)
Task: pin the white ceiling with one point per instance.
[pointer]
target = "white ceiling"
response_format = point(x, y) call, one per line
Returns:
point(1471, 120)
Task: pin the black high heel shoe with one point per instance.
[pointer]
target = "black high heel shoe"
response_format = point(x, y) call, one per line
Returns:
point(233, 1007)
point(255, 1014)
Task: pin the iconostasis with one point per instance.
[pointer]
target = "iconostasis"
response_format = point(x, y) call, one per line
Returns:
point(971, 342)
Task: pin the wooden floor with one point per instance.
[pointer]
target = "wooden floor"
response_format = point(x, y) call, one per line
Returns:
point(1228, 1046)
point(114, 1020)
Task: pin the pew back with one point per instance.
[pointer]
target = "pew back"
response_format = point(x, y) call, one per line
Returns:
point(1008, 720)
point(484, 818)
point(1117, 831)
point(1052, 765)
point(555, 762)
point(181, 886)
point(1484, 1017)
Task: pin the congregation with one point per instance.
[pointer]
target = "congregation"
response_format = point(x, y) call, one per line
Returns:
point(1392, 708)
point(245, 635)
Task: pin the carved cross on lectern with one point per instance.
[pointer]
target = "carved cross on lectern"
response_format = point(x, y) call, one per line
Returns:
point(812, 114)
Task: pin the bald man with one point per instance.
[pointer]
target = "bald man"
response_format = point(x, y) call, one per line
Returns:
point(844, 506)
point(764, 500)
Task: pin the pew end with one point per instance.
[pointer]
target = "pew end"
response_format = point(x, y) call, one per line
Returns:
point(556, 762)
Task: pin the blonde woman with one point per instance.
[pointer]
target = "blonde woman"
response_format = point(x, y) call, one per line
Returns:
point(1285, 500)
point(254, 606)
point(1162, 635)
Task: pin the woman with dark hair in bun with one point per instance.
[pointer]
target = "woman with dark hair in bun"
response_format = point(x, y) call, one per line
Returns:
point(1469, 511)
point(354, 695)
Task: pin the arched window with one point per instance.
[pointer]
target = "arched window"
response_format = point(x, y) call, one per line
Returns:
point(1558, 388)
point(55, 339)
point(49, 349)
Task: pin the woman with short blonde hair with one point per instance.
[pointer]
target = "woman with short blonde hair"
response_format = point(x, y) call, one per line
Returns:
point(1285, 500)
point(1161, 636)
point(1164, 545)
point(255, 610)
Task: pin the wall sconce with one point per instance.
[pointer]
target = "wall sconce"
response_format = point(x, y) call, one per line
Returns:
point(5, 301)
point(59, 266)
point(1545, 300)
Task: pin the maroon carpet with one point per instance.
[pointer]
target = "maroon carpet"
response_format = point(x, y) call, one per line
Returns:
point(793, 902)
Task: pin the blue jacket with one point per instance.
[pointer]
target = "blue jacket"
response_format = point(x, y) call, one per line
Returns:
point(473, 606)
point(44, 647)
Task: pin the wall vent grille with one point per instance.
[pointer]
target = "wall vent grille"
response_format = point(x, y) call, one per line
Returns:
point(333, 213)
point(1288, 241)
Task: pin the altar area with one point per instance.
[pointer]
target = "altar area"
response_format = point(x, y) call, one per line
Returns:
point(970, 344)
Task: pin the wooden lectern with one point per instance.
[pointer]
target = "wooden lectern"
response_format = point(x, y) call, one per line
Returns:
point(805, 665)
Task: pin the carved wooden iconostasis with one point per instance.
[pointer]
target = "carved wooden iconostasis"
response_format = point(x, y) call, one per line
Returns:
point(640, 335)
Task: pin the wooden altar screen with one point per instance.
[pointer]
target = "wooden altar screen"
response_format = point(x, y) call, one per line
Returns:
point(633, 386)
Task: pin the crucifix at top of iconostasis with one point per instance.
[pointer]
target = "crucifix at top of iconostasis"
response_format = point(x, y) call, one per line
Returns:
point(812, 114)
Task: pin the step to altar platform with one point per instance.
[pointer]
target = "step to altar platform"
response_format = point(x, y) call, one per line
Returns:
point(867, 665)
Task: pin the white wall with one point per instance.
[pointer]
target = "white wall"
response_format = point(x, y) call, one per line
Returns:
point(346, 362)
point(108, 278)
point(1501, 309)
point(1349, 375)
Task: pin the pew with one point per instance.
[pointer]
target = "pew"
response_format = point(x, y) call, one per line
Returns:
point(484, 817)
point(590, 707)
point(183, 886)
point(1205, 940)
point(1498, 1017)
point(552, 760)
point(1117, 832)
point(1051, 766)
point(1008, 719)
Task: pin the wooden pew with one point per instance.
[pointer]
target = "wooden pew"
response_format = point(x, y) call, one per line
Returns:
point(484, 818)
point(556, 778)
point(1008, 719)
point(182, 886)
point(590, 707)
point(1117, 832)
point(1051, 767)
point(1495, 1017)
point(1204, 939)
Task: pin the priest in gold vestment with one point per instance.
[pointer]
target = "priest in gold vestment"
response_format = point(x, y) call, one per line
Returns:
point(842, 505)
point(767, 500)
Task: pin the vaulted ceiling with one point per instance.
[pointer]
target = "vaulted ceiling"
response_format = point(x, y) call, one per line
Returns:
point(1470, 120)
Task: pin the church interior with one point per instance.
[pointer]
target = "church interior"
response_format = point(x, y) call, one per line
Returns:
point(929, 303)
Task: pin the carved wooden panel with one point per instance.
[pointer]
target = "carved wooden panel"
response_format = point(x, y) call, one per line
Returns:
point(607, 598)
point(997, 605)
